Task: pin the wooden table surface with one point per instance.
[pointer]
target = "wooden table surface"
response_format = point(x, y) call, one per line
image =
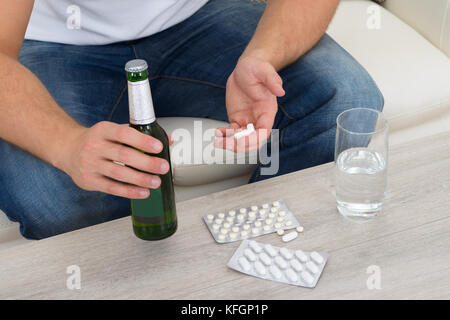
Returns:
point(409, 242)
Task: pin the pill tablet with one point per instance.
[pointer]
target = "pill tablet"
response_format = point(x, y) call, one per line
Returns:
point(233, 235)
point(282, 213)
point(275, 272)
point(280, 262)
point(286, 253)
point(288, 223)
point(276, 204)
point(267, 228)
point(230, 219)
point(246, 226)
point(280, 232)
point(299, 229)
point(258, 224)
point(262, 212)
point(307, 277)
point(226, 225)
point(210, 217)
point(254, 208)
point(271, 215)
point(243, 262)
point(231, 213)
point(216, 226)
point(270, 250)
point(268, 221)
point(252, 214)
point(244, 234)
point(296, 265)
point(255, 247)
point(221, 215)
point(255, 230)
point(222, 237)
point(218, 221)
point(316, 257)
point(242, 210)
point(280, 219)
point(265, 205)
point(240, 217)
point(290, 236)
point(301, 256)
point(249, 254)
point(277, 225)
point(292, 275)
point(265, 259)
point(312, 267)
point(223, 231)
point(235, 229)
point(274, 209)
point(260, 268)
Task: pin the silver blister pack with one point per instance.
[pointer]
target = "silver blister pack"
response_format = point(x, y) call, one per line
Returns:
point(268, 262)
point(253, 221)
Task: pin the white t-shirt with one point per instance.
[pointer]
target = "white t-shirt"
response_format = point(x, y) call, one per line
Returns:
point(87, 22)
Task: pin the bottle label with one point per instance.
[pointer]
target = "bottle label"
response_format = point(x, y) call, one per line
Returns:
point(140, 102)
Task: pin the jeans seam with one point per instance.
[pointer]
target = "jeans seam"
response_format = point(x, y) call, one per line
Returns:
point(114, 107)
point(188, 80)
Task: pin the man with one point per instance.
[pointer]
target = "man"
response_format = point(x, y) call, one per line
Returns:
point(63, 94)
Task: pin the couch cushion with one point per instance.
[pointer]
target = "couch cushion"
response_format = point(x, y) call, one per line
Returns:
point(413, 75)
point(201, 167)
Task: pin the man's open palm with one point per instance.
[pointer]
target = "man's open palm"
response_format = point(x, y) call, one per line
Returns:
point(251, 97)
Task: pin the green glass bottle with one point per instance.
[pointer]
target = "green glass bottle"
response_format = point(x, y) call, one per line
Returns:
point(153, 218)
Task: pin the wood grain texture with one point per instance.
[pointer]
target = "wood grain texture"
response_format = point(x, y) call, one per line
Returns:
point(409, 241)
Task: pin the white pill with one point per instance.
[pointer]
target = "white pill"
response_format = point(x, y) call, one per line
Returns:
point(301, 256)
point(226, 225)
point(243, 262)
point(240, 217)
point(232, 213)
point(273, 209)
point(270, 250)
point(235, 229)
point(262, 212)
point(267, 228)
point(218, 221)
point(222, 237)
point(290, 236)
point(276, 203)
point(246, 226)
point(312, 267)
point(265, 259)
point(223, 231)
point(277, 225)
point(288, 223)
point(230, 219)
point(233, 235)
point(244, 234)
point(252, 214)
point(280, 219)
point(296, 265)
point(280, 232)
point(280, 262)
point(268, 221)
point(307, 277)
point(299, 229)
point(260, 268)
point(254, 208)
point(249, 254)
point(255, 246)
point(265, 205)
point(242, 210)
point(291, 275)
point(216, 226)
point(275, 272)
point(282, 213)
point(255, 230)
point(210, 217)
point(250, 127)
point(257, 223)
point(287, 254)
point(271, 215)
point(316, 257)
point(221, 215)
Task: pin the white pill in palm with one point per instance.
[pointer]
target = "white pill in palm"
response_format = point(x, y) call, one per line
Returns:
point(316, 257)
point(290, 236)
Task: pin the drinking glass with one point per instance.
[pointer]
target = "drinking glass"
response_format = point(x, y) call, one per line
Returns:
point(361, 158)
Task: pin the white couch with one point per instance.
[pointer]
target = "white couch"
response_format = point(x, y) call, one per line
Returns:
point(408, 56)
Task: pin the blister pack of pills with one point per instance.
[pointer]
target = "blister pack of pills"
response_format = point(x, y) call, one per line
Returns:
point(265, 261)
point(253, 221)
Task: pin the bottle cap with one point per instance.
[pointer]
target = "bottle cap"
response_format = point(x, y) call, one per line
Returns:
point(136, 65)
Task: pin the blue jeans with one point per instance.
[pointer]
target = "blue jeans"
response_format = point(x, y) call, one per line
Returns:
point(189, 66)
